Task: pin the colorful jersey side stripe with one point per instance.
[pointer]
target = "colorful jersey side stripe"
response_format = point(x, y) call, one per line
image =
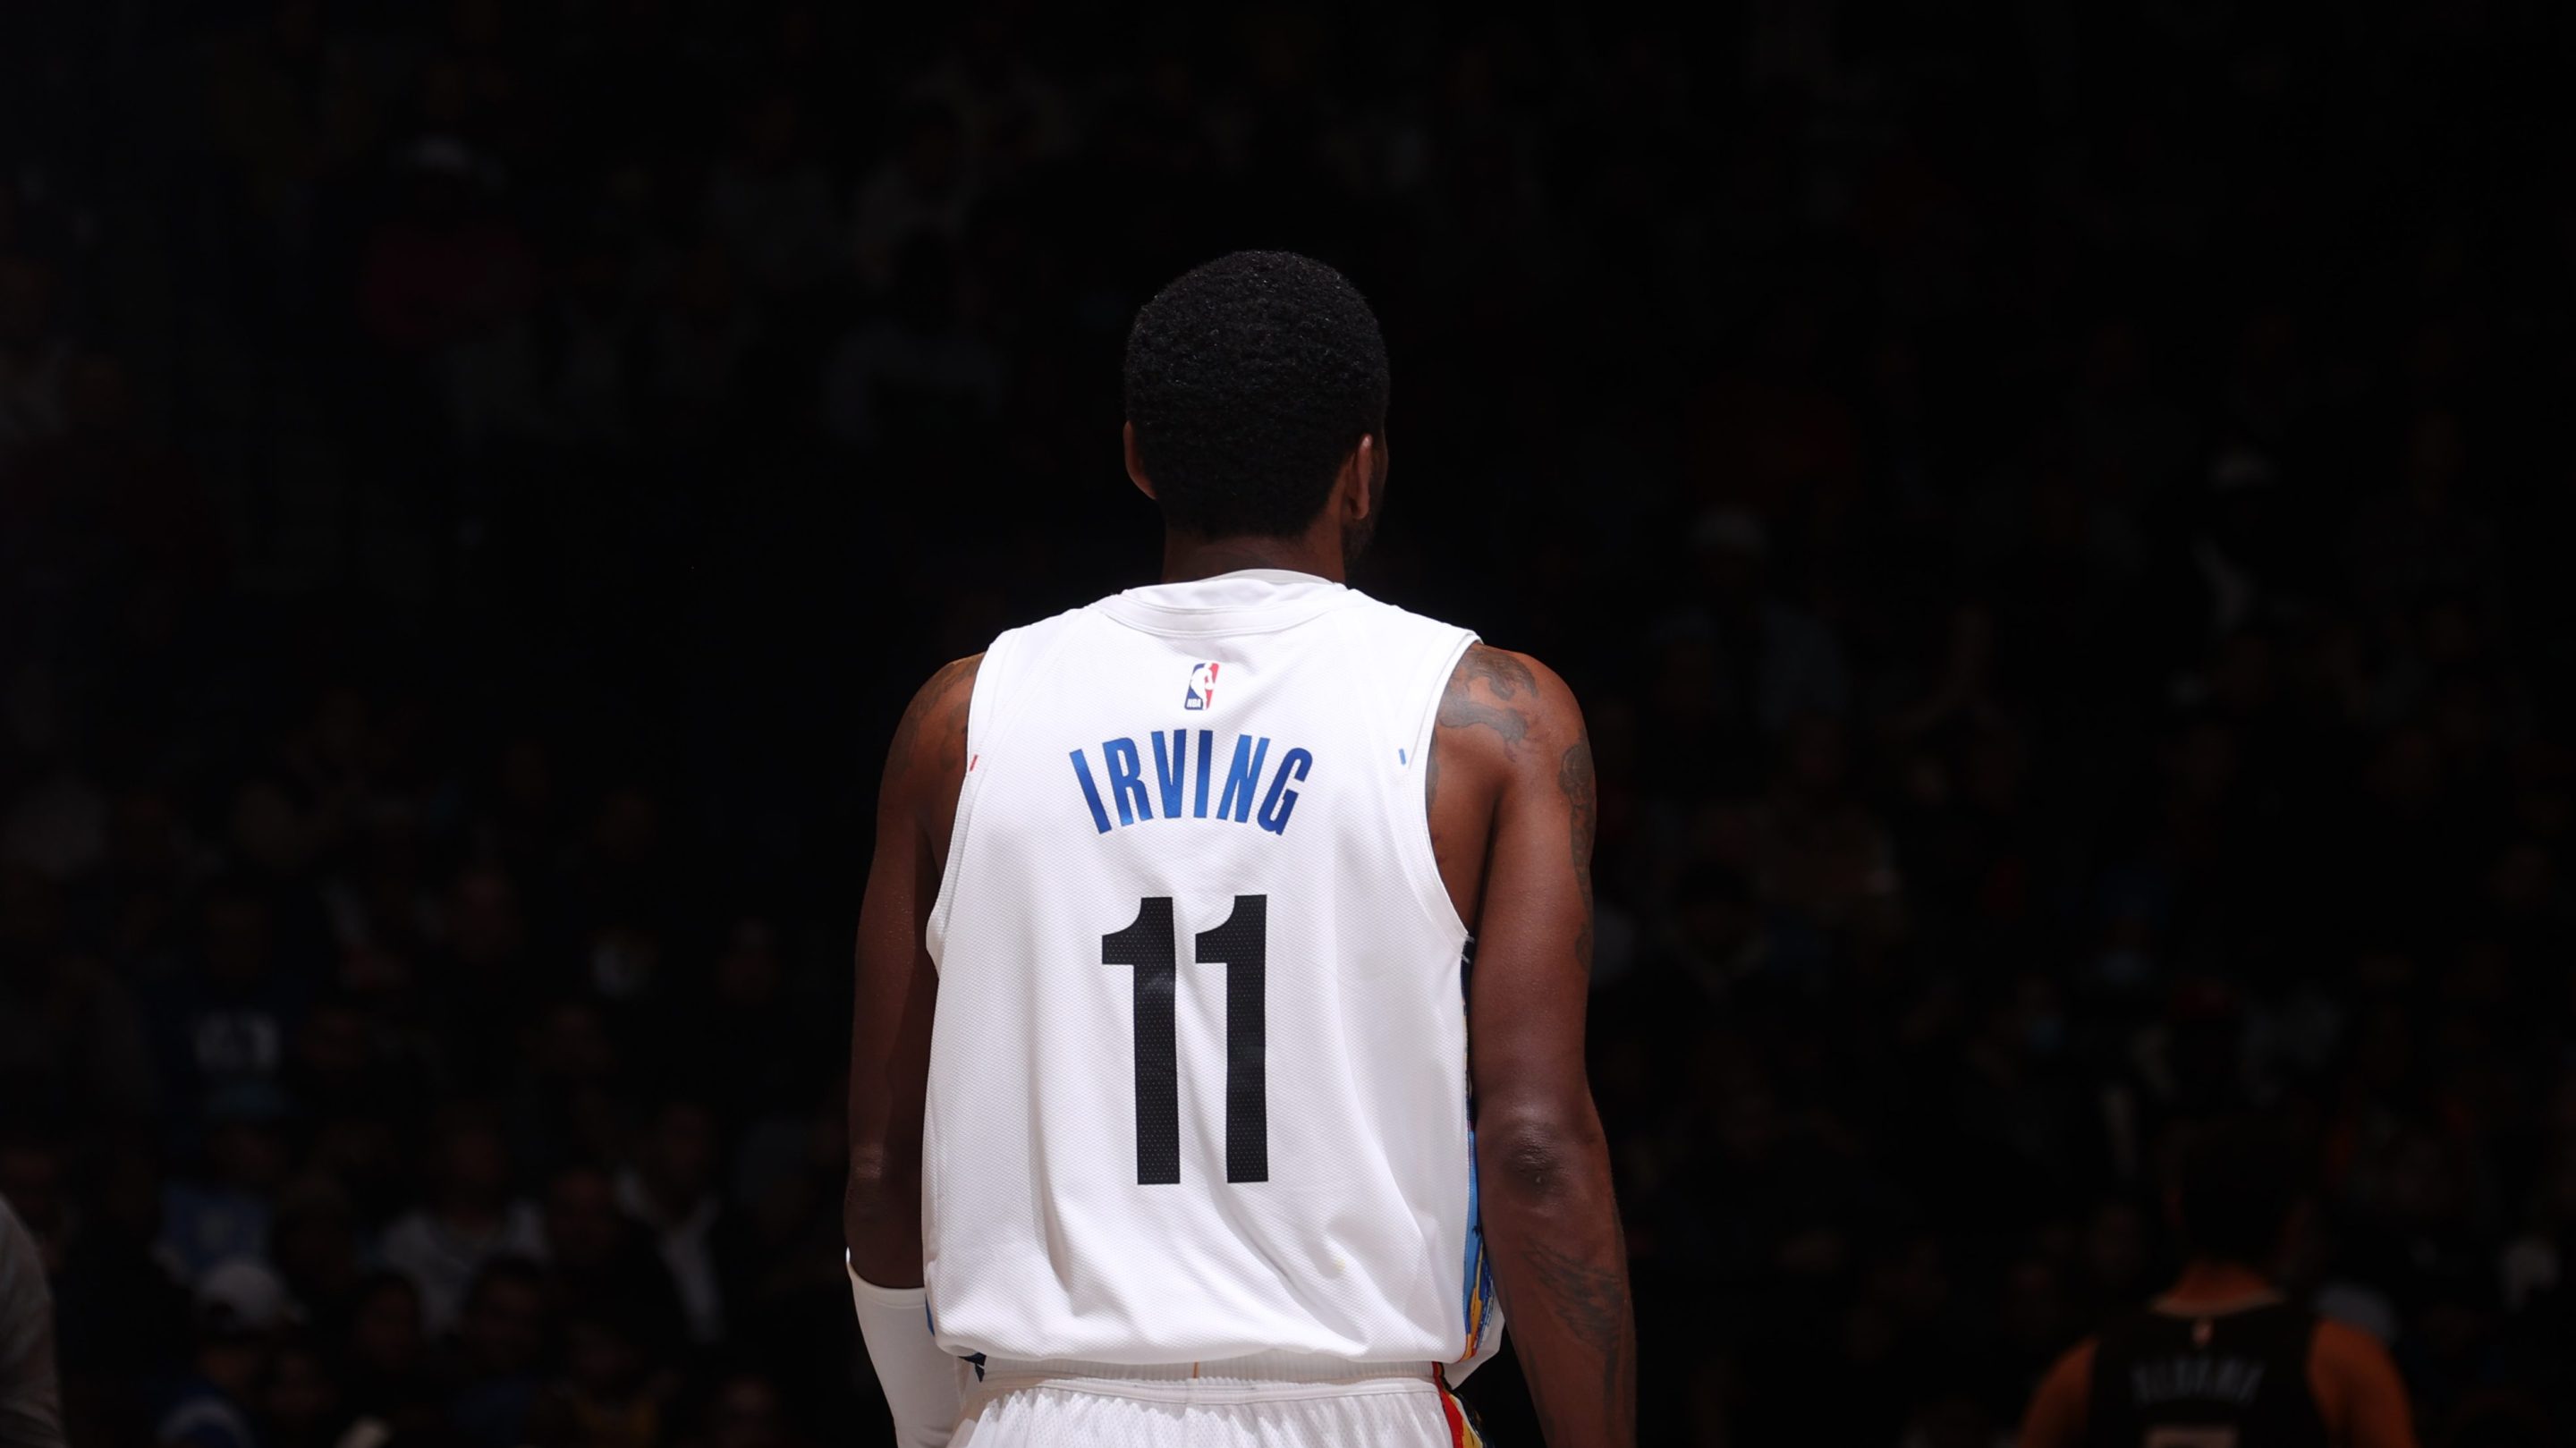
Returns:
point(1462, 1431)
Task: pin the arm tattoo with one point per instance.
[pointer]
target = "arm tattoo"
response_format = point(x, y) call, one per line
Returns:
point(1591, 1299)
point(1504, 677)
point(1507, 679)
point(1504, 672)
point(1582, 802)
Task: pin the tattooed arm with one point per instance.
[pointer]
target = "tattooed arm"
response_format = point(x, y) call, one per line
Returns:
point(1512, 812)
point(890, 1019)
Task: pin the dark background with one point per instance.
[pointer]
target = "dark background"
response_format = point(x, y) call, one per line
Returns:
point(2051, 511)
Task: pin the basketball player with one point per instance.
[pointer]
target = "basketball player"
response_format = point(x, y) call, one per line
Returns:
point(2221, 1361)
point(1161, 1080)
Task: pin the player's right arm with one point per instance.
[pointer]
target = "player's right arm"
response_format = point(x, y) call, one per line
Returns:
point(2357, 1389)
point(1511, 791)
point(890, 1057)
point(890, 1015)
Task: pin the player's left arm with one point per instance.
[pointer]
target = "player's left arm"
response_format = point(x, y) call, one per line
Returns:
point(1514, 773)
point(890, 1056)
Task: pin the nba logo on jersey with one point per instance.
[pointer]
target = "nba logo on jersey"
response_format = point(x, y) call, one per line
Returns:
point(1202, 956)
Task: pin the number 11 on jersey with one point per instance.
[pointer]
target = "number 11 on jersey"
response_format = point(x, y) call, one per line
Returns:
point(1242, 946)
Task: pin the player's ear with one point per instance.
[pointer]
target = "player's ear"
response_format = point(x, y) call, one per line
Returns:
point(1135, 469)
point(1357, 484)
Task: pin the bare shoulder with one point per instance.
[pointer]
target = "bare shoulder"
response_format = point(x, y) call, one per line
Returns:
point(2074, 1367)
point(2358, 1388)
point(2058, 1410)
point(1508, 747)
point(2347, 1353)
point(1499, 703)
point(2342, 1342)
point(954, 682)
point(930, 739)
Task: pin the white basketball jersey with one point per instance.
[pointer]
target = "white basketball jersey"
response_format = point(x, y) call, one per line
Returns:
point(1198, 1077)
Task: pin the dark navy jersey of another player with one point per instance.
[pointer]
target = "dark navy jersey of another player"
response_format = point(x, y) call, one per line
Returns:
point(2229, 1380)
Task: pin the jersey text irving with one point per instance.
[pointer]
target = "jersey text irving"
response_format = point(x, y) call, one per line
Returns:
point(1179, 778)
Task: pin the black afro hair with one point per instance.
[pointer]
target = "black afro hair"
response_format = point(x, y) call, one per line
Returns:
point(1249, 380)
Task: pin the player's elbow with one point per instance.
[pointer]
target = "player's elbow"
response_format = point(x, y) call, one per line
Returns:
point(882, 1194)
point(1542, 1156)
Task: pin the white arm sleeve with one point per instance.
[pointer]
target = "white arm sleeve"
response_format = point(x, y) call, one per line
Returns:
point(924, 1387)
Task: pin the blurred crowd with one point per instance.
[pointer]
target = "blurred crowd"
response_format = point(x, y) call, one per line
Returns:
point(2049, 510)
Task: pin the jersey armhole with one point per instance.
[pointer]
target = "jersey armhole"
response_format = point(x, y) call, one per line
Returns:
point(1421, 862)
point(981, 702)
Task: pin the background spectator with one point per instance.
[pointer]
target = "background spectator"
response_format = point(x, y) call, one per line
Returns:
point(31, 1392)
point(2051, 511)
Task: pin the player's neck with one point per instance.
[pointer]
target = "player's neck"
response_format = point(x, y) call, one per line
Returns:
point(1187, 556)
point(2208, 1283)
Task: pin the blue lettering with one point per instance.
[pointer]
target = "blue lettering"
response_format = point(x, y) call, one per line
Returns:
point(1126, 780)
point(1090, 792)
point(1281, 799)
point(1168, 774)
point(1242, 778)
point(1207, 757)
point(1132, 791)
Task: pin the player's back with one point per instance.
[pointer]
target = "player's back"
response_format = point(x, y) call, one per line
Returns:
point(2239, 1379)
point(1198, 1072)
